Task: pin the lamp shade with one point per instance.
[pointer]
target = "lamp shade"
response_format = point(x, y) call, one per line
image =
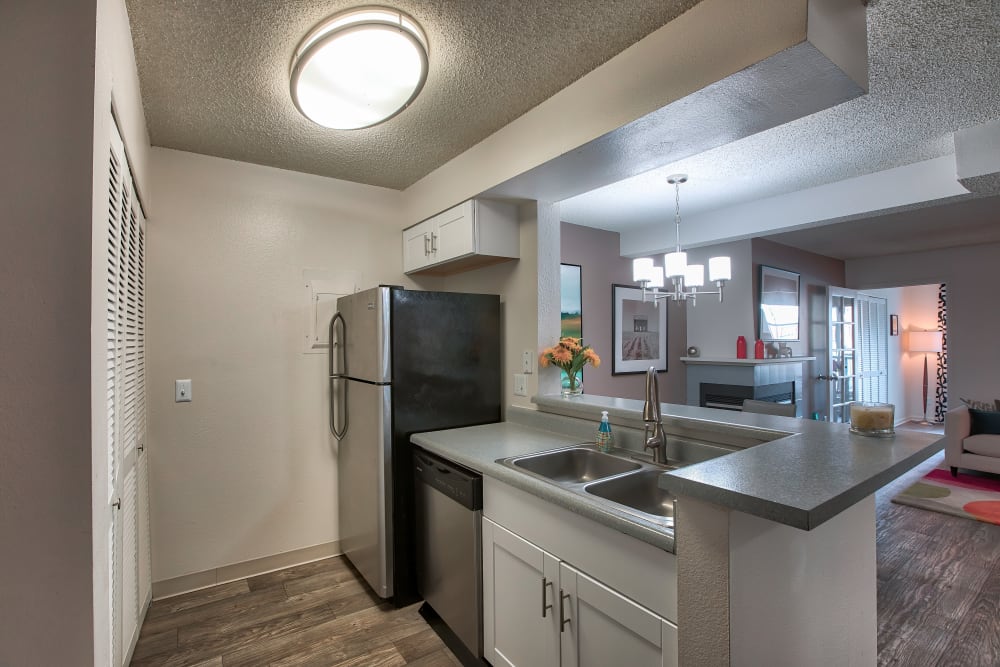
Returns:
point(695, 275)
point(720, 268)
point(641, 268)
point(655, 277)
point(925, 341)
point(675, 263)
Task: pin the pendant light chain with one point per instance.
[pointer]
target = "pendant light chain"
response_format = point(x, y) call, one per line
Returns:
point(677, 212)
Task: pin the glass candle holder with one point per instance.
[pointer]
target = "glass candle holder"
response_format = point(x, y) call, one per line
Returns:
point(873, 419)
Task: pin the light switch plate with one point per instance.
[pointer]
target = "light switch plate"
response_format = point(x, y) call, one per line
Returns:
point(527, 361)
point(520, 384)
point(182, 391)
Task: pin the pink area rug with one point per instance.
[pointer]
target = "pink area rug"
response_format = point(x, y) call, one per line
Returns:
point(970, 495)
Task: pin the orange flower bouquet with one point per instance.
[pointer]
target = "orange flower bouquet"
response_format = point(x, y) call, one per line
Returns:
point(571, 355)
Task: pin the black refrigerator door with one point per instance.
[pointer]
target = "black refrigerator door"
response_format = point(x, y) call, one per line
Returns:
point(445, 374)
point(446, 360)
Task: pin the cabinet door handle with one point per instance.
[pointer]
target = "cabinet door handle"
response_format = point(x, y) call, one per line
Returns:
point(117, 504)
point(563, 620)
point(427, 245)
point(545, 607)
point(434, 242)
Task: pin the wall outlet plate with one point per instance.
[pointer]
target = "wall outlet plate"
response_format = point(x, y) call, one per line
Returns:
point(527, 361)
point(520, 384)
point(182, 391)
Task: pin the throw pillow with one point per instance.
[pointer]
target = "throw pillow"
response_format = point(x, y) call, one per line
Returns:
point(984, 421)
point(981, 405)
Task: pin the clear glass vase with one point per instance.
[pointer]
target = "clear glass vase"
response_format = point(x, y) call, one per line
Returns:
point(572, 385)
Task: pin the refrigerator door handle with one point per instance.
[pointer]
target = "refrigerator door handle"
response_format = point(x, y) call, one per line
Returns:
point(338, 406)
point(337, 345)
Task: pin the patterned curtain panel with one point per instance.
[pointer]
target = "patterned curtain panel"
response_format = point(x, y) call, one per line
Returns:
point(941, 393)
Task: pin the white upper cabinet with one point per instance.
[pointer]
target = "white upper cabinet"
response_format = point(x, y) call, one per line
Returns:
point(473, 234)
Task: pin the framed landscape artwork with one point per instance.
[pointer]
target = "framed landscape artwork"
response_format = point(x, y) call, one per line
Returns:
point(571, 308)
point(639, 332)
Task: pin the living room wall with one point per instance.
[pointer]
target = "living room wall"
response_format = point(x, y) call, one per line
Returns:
point(971, 274)
point(596, 251)
point(816, 273)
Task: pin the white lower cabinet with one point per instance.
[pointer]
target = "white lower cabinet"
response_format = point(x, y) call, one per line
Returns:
point(521, 615)
point(542, 611)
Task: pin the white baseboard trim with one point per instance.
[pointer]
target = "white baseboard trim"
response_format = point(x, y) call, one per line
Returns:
point(248, 568)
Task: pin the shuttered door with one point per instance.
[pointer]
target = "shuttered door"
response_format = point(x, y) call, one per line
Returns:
point(129, 538)
point(873, 341)
point(115, 180)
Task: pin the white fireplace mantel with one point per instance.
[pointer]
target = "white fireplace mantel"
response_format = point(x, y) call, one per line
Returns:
point(724, 361)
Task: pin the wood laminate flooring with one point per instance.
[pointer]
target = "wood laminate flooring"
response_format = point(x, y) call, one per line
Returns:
point(938, 604)
point(938, 584)
point(313, 615)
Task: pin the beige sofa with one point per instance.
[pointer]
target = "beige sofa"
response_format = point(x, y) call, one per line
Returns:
point(961, 450)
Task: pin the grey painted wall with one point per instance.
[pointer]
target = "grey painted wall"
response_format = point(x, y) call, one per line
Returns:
point(971, 274)
point(816, 273)
point(596, 251)
point(46, 586)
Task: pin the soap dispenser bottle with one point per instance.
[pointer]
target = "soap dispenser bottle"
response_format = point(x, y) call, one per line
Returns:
point(605, 440)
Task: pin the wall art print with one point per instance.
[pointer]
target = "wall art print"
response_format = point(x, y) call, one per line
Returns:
point(639, 332)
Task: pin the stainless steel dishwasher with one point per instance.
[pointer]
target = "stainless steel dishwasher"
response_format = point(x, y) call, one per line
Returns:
point(449, 504)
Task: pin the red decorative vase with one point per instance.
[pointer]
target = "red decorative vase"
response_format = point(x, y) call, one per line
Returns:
point(741, 347)
point(758, 350)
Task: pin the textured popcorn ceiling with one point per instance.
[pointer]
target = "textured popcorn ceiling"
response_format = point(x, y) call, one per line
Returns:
point(214, 77)
point(934, 68)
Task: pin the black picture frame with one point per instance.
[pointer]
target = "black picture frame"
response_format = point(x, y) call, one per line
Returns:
point(894, 325)
point(638, 332)
point(778, 305)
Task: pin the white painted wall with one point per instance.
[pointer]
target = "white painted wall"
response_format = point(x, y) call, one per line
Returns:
point(971, 274)
point(919, 313)
point(898, 385)
point(246, 470)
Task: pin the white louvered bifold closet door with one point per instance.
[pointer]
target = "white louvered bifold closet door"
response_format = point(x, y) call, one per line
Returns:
point(873, 344)
point(129, 538)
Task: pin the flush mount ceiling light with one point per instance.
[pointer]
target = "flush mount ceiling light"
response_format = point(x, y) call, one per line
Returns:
point(685, 278)
point(359, 68)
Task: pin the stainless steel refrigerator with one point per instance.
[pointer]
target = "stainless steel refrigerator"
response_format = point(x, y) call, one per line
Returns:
point(402, 362)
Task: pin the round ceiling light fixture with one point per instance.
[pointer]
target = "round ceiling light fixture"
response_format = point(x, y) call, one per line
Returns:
point(359, 68)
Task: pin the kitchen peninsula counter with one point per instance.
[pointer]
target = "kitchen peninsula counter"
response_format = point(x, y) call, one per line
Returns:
point(805, 473)
point(791, 471)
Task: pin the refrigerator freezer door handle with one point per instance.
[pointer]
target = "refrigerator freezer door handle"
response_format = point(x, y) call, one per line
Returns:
point(337, 345)
point(338, 406)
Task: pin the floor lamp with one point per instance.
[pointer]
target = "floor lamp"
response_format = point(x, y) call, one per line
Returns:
point(925, 342)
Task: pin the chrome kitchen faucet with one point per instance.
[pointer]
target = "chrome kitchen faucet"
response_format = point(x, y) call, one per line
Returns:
point(652, 418)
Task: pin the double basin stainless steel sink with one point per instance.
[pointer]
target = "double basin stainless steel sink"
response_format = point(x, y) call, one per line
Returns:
point(629, 485)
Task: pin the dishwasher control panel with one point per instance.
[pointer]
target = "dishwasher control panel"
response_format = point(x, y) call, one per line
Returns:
point(462, 485)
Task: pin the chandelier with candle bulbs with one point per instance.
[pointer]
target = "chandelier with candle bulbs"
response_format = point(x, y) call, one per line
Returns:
point(685, 279)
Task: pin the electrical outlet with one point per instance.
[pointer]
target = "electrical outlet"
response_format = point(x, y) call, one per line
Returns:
point(520, 384)
point(527, 361)
point(182, 391)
